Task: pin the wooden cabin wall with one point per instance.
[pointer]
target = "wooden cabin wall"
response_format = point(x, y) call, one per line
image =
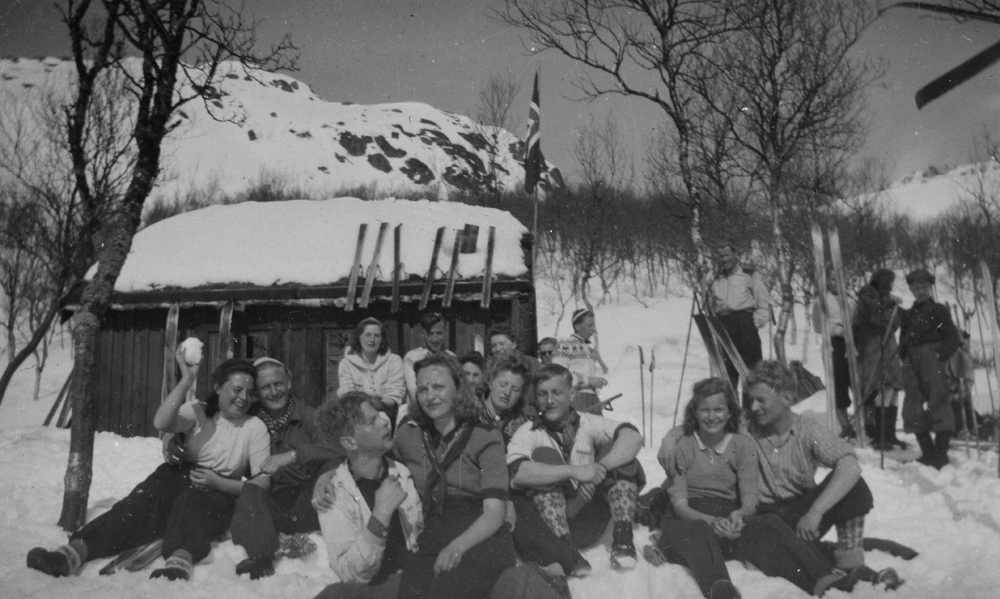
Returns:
point(309, 340)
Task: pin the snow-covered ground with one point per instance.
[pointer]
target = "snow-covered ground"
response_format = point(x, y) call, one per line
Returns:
point(951, 517)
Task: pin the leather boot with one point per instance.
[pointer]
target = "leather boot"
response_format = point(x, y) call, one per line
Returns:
point(927, 450)
point(942, 441)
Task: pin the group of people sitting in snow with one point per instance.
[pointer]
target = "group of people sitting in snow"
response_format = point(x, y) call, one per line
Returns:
point(431, 475)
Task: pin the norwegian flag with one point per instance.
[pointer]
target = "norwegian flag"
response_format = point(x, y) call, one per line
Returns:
point(534, 162)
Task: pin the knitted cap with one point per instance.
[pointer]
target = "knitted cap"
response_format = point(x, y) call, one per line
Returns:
point(921, 275)
point(579, 315)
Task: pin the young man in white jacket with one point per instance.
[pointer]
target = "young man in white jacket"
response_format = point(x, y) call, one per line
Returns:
point(368, 508)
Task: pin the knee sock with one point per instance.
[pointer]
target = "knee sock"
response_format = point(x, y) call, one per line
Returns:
point(551, 505)
point(622, 498)
point(850, 551)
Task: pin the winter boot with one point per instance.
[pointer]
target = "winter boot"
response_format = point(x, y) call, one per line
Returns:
point(63, 561)
point(890, 426)
point(178, 566)
point(942, 441)
point(257, 567)
point(927, 449)
point(623, 555)
point(879, 432)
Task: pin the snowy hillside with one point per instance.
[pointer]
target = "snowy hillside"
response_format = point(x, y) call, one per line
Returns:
point(257, 126)
point(924, 195)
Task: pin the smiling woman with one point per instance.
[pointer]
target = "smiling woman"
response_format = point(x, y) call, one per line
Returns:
point(712, 484)
point(188, 504)
point(459, 469)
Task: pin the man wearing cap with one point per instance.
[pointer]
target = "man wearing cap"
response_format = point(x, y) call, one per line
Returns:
point(742, 305)
point(583, 361)
point(927, 340)
point(298, 455)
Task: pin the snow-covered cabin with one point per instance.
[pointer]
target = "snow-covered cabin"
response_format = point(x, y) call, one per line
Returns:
point(291, 279)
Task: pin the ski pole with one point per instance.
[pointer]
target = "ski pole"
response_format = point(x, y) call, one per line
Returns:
point(684, 361)
point(652, 395)
point(642, 387)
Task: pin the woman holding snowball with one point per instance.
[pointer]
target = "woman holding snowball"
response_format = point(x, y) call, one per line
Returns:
point(187, 504)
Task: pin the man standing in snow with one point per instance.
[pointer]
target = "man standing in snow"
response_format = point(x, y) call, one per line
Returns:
point(927, 340)
point(580, 470)
point(583, 361)
point(790, 449)
point(742, 304)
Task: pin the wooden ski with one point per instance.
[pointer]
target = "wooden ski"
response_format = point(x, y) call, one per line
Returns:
point(425, 296)
point(63, 393)
point(134, 559)
point(366, 294)
point(225, 349)
point(397, 266)
point(488, 270)
point(819, 258)
point(169, 347)
point(352, 282)
point(449, 290)
point(990, 313)
point(852, 350)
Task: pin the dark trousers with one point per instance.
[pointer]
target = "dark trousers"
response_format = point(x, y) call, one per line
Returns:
point(164, 505)
point(925, 382)
point(857, 502)
point(765, 541)
point(475, 574)
point(389, 589)
point(260, 515)
point(841, 373)
point(743, 333)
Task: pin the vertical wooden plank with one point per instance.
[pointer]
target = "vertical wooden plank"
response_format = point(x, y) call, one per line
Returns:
point(425, 295)
point(120, 374)
point(140, 378)
point(449, 290)
point(397, 266)
point(154, 372)
point(488, 270)
point(313, 391)
point(352, 283)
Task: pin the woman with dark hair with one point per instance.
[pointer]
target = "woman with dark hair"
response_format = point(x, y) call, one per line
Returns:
point(187, 504)
point(712, 486)
point(875, 322)
point(459, 469)
point(504, 405)
point(369, 366)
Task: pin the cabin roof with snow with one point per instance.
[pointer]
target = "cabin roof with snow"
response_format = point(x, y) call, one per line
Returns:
point(303, 251)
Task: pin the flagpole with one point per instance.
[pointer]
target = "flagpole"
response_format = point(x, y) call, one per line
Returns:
point(534, 228)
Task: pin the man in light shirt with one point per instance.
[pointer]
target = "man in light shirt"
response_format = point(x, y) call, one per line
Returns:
point(743, 305)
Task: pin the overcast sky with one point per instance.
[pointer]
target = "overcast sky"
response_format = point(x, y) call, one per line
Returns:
point(440, 51)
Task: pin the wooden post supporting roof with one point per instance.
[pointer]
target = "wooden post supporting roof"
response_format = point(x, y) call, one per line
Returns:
point(449, 290)
point(366, 295)
point(425, 296)
point(484, 302)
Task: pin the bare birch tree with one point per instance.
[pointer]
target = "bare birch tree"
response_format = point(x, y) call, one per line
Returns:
point(175, 42)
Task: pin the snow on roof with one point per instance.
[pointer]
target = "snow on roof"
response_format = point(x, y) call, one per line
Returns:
point(311, 242)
